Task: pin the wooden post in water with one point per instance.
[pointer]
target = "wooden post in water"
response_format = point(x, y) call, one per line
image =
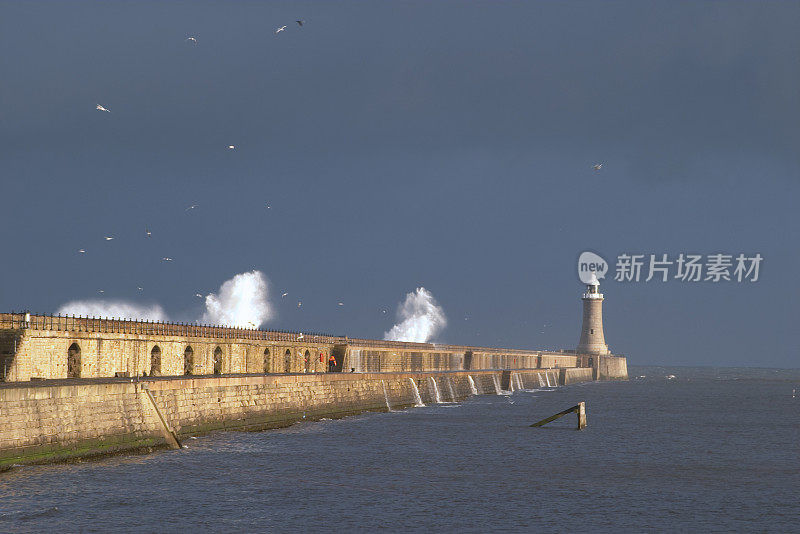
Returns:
point(581, 415)
point(580, 409)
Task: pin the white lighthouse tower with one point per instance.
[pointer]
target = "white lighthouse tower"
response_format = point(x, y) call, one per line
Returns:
point(593, 340)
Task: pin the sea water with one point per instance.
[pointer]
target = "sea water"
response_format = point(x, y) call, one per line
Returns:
point(713, 449)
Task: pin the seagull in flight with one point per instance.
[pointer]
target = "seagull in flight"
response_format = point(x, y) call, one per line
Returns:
point(279, 30)
point(108, 238)
point(191, 40)
point(166, 259)
point(148, 232)
point(299, 22)
point(231, 147)
point(300, 303)
point(100, 291)
point(597, 166)
point(341, 304)
point(81, 251)
point(193, 206)
point(101, 108)
point(198, 295)
point(284, 295)
point(140, 288)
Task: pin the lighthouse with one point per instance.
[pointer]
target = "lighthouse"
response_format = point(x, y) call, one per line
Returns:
point(593, 340)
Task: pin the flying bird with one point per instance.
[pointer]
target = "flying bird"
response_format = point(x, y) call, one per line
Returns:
point(231, 147)
point(192, 40)
point(268, 206)
point(140, 288)
point(198, 295)
point(299, 303)
point(597, 166)
point(108, 238)
point(101, 108)
point(148, 232)
point(341, 304)
point(300, 22)
point(193, 206)
point(279, 30)
point(100, 291)
point(81, 251)
point(284, 295)
point(166, 259)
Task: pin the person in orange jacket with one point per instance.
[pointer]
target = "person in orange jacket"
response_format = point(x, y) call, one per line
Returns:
point(331, 364)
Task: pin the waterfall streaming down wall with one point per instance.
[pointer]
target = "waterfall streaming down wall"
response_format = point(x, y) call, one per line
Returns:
point(452, 390)
point(472, 385)
point(417, 399)
point(434, 390)
point(520, 381)
point(541, 382)
point(547, 376)
point(386, 396)
point(496, 383)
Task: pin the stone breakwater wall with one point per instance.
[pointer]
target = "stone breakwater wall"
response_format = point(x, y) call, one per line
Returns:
point(574, 376)
point(48, 347)
point(611, 368)
point(64, 419)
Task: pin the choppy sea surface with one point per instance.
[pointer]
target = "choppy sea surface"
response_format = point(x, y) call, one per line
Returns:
point(708, 450)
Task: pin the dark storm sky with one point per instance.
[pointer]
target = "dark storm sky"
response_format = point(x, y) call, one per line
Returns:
point(399, 144)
